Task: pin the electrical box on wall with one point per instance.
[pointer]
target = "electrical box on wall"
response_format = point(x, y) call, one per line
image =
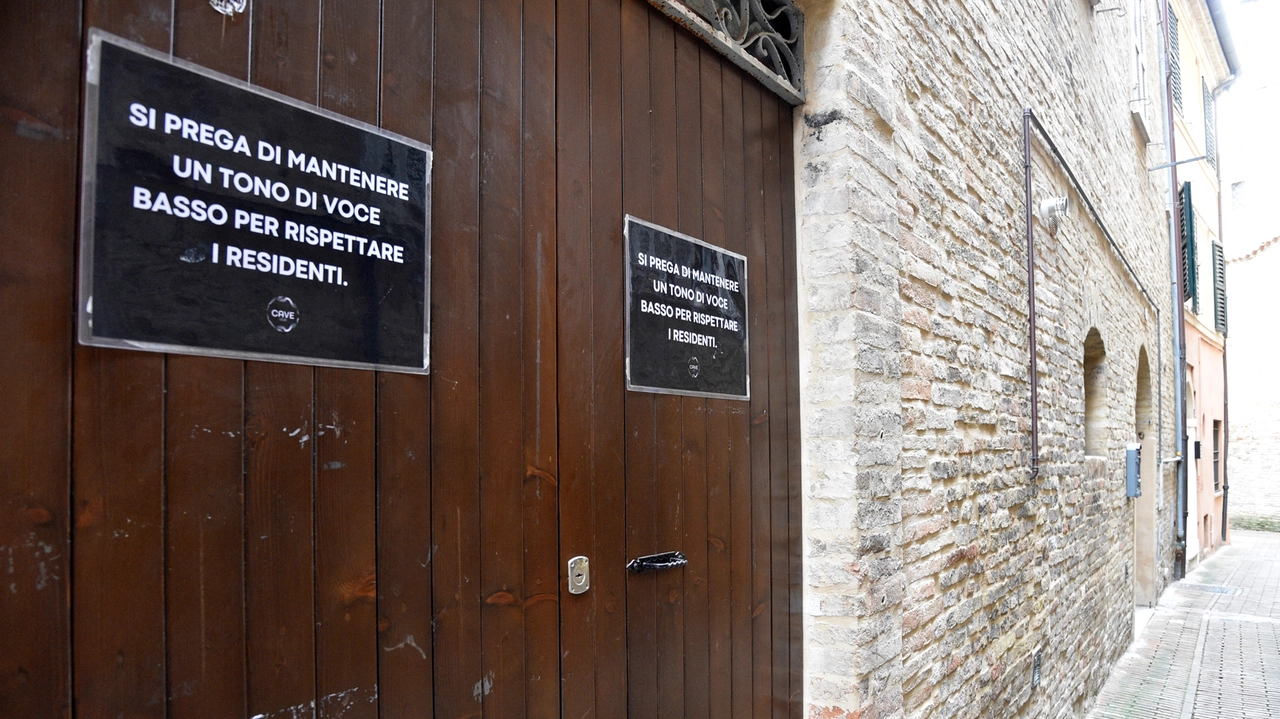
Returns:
point(1133, 470)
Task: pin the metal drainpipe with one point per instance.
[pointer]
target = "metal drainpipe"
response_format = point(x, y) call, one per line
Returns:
point(1033, 376)
point(1178, 315)
point(1225, 425)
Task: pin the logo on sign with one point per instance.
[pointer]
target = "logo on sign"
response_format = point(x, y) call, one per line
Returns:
point(283, 314)
point(695, 368)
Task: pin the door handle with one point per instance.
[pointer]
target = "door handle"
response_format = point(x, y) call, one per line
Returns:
point(654, 562)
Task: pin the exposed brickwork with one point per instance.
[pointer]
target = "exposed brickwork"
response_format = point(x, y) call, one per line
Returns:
point(934, 567)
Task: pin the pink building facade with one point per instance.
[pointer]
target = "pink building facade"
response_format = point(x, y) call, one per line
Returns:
point(1206, 434)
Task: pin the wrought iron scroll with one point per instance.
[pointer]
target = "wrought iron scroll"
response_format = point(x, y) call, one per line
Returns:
point(763, 37)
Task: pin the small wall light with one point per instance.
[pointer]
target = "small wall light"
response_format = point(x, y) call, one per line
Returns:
point(1052, 210)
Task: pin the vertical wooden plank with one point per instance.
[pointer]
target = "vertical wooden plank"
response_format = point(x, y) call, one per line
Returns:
point(637, 187)
point(739, 445)
point(345, 430)
point(795, 631)
point(757, 288)
point(780, 537)
point(345, 533)
point(40, 91)
point(204, 454)
point(502, 689)
point(608, 444)
point(204, 427)
point(279, 560)
point(118, 588)
point(118, 470)
point(693, 449)
point(405, 662)
point(576, 350)
point(455, 358)
point(280, 438)
point(717, 496)
point(541, 446)
point(668, 440)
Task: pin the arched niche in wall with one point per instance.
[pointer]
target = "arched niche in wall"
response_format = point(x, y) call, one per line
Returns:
point(1095, 400)
point(1143, 417)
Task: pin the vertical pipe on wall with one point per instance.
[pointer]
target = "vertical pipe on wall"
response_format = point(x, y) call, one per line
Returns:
point(1226, 432)
point(1032, 376)
point(1175, 290)
point(1217, 168)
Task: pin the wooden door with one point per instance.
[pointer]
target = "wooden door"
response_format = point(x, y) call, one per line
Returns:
point(203, 537)
point(657, 125)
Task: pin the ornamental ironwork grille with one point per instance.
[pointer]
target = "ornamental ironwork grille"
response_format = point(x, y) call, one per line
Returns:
point(763, 37)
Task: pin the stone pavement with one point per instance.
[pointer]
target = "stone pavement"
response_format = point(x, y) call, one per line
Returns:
point(1212, 646)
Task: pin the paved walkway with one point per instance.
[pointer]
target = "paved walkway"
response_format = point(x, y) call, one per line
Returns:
point(1212, 646)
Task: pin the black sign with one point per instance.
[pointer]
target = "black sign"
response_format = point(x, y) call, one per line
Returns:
point(226, 220)
point(686, 315)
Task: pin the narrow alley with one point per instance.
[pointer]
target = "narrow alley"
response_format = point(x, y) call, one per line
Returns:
point(1211, 648)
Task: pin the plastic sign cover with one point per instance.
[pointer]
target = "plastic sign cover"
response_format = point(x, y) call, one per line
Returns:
point(686, 315)
point(222, 219)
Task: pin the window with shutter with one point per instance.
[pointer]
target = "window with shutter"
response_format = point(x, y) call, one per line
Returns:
point(1175, 64)
point(1217, 454)
point(1188, 217)
point(1219, 290)
point(1210, 127)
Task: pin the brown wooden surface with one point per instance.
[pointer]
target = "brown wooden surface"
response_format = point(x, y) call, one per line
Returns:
point(257, 538)
point(757, 300)
point(118, 491)
point(739, 446)
point(540, 416)
point(280, 434)
point(575, 345)
point(795, 516)
point(641, 408)
point(39, 119)
point(669, 506)
point(716, 499)
point(780, 538)
point(405, 548)
point(455, 437)
point(204, 473)
point(345, 465)
point(502, 465)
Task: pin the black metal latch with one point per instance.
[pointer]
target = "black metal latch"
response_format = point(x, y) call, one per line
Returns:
point(654, 562)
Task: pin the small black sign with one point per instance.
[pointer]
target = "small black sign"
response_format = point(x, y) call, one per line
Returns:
point(686, 315)
point(226, 220)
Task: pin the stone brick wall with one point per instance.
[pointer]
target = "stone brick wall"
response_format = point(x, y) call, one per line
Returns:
point(934, 567)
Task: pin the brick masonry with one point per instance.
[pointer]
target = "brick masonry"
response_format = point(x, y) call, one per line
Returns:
point(934, 567)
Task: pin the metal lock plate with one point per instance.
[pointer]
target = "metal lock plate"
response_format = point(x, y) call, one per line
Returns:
point(579, 575)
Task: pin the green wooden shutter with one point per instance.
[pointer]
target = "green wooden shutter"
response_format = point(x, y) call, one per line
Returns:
point(1188, 248)
point(1210, 127)
point(1175, 63)
point(1219, 290)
